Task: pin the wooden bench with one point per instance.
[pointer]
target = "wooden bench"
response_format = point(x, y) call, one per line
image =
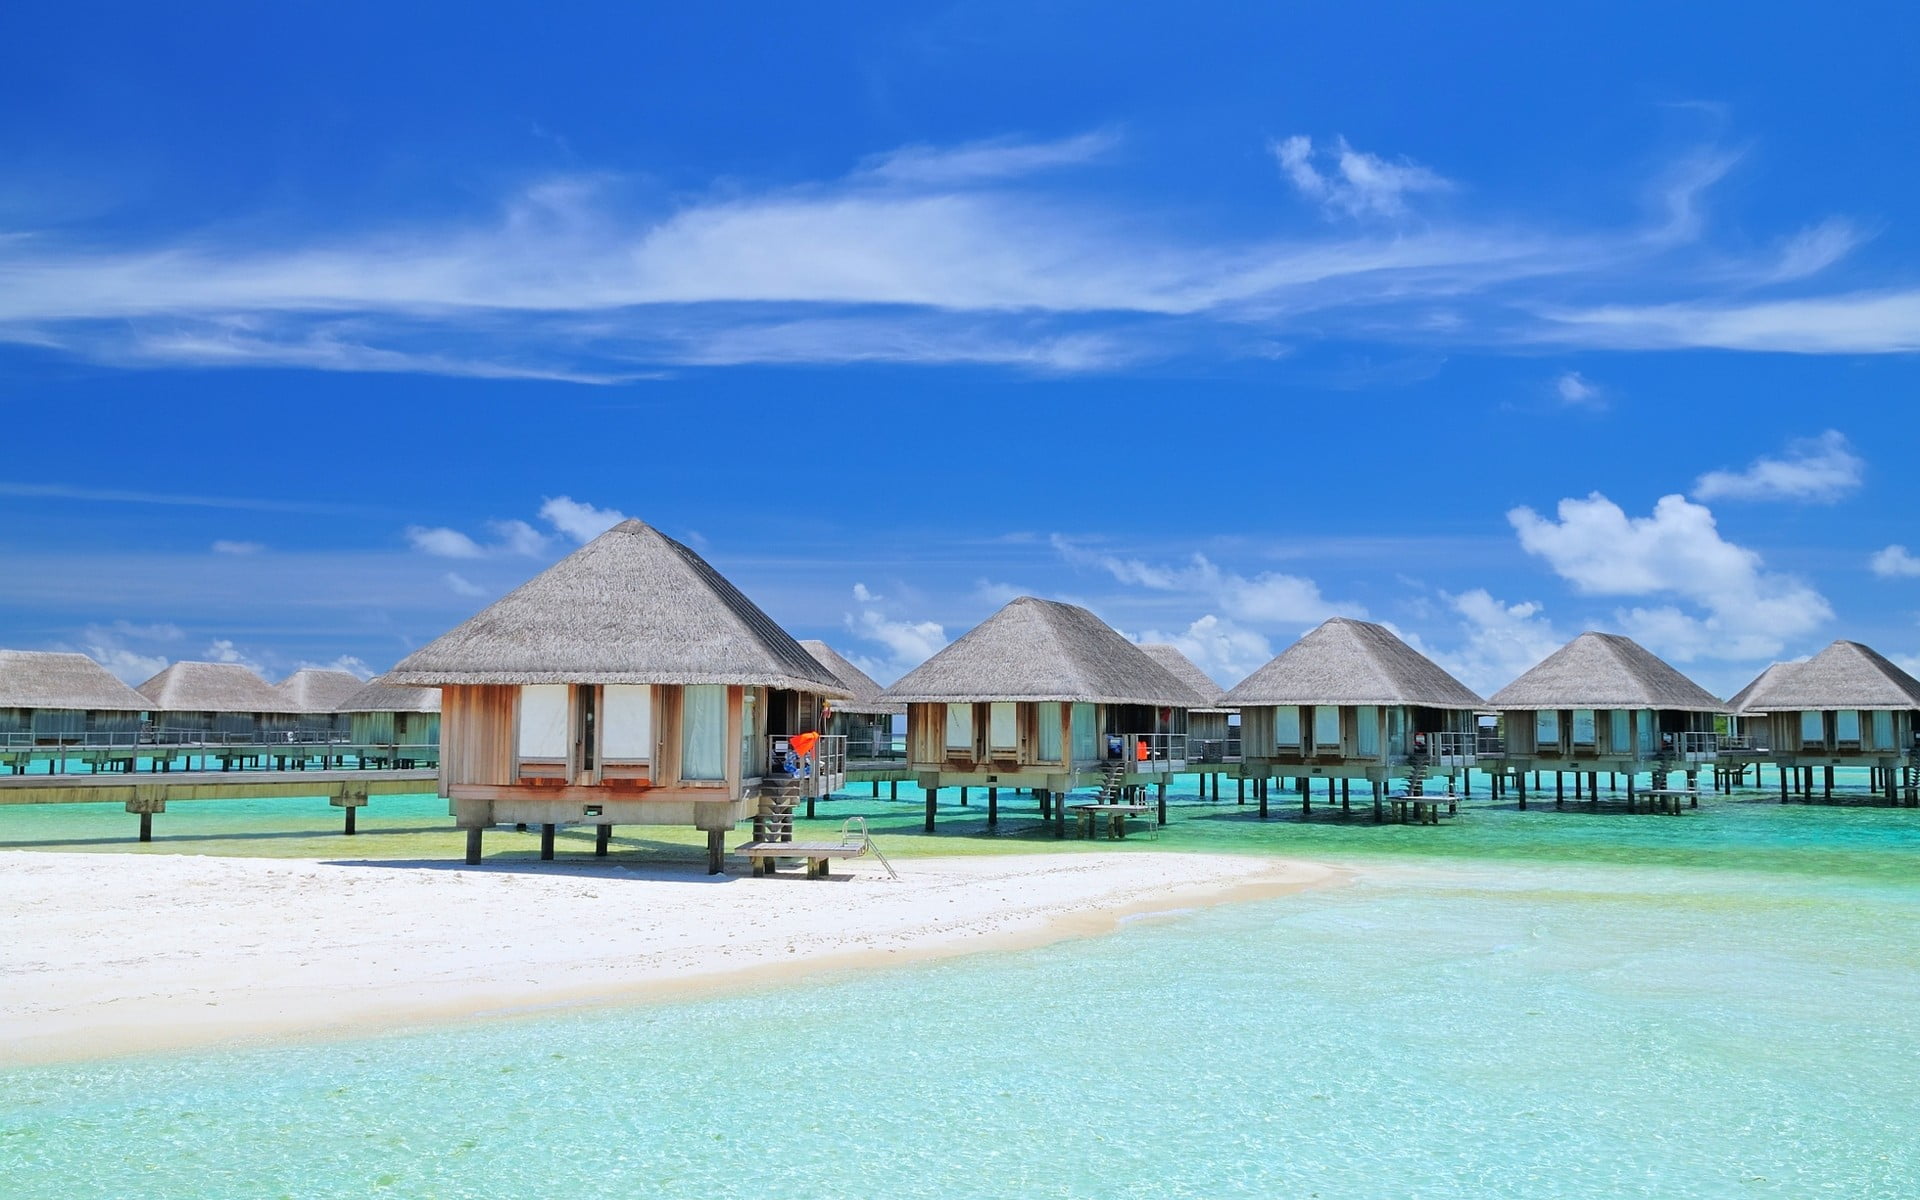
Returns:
point(1116, 815)
point(765, 855)
point(1420, 810)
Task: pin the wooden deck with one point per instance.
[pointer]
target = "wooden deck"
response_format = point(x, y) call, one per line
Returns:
point(146, 795)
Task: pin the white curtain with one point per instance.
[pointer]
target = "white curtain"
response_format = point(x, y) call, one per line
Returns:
point(959, 726)
point(1047, 716)
point(1846, 725)
point(1326, 725)
point(1882, 730)
point(626, 723)
point(1286, 725)
point(1620, 730)
point(1583, 727)
point(1086, 735)
point(1367, 743)
point(543, 720)
point(1003, 726)
point(1546, 728)
point(1813, 729)
point(703, 731)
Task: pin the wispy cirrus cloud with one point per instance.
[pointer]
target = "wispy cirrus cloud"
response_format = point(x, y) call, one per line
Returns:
point(1816, 470)
point(992, 252)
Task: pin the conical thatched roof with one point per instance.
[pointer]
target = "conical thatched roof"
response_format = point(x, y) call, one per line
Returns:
point(631, 606)
point(316, 690)
point(1604, 670)
point(1844, 675)
point(1042, 650)
point(1771, 678)
point(380, 696)
point(865, 691)
point(1344, 661)
point(211, 687)
point(45, 679)
point(1188, 672)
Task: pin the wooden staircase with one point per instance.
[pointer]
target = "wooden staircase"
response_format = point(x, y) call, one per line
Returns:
point(1113, 781)
point(779, 796)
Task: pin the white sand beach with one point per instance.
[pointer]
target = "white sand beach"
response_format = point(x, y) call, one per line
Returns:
point(103, 955)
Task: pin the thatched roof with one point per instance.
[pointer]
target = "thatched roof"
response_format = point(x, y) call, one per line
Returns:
point(1042, 650)
point(631, 606)
point(380, 696)
point(211, 687)
point(315, 690)
point(1604, 670)
point(1844, 675)
point(1345, 661)
point(45, 679)
point(1188, 672)
point(865, 691)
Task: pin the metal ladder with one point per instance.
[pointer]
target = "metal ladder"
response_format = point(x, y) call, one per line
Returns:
point(847, 830)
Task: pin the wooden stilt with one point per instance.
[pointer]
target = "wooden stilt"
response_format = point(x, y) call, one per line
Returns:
point(893, 789)
point(473, 847)
point(146, 826)
point(350, 811)
point(546, 842)
point(1828, 783)
point(1260, 791)
point(1163, 802)
point(933, 802)
point(1522, 789)
point(963, 798)
point(716, 851)
point(1060, 815)
point(993, 807)
point(602, 838)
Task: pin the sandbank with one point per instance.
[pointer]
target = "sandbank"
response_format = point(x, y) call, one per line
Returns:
point(104, 955)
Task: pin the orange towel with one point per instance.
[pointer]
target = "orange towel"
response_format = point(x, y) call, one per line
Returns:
point(803, 743)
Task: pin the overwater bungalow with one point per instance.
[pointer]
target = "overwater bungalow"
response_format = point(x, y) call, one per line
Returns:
point(313, 697)
point(1044, 696)
point(1603, 703)
point(1349, 701)
point(50, 699)
point(865, 720)
point(393, 726)
point(1847, 706)
point(1213, 730)
point(199, 702)
point(627, 684)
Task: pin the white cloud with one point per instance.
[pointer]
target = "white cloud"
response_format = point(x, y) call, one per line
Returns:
point(995, 158)
point(349, 663)
point(1894, 562)
point(442, 542)
point(580, 521)
point(1885, 322)
point(1577, 391)
point(462, 586)
point(1502, 641)
point(1677, 551)
point(1813, 250)
point(1360, 184)
point(518, 537)
point(225, 650)
point(1271, 597)
point(907, 643)
point(1819, 470)
point(222, 546)
point(863, 594)
point(133, 652)
point(1226, 651)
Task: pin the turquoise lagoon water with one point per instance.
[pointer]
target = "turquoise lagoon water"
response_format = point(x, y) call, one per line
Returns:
point(1516, 1004)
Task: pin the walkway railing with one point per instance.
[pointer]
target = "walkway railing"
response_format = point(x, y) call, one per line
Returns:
point(1452, 749)
point(822, 771)
point(126, 756)
point(1154, 753)
point(1697, 747)
point(1214, 750)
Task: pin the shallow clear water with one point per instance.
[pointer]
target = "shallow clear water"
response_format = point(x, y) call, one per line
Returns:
point(1516, 1004)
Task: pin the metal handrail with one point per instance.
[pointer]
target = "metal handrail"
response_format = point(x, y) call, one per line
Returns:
point(1447, 745)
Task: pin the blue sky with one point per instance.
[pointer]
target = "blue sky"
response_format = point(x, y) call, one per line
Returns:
point(322, 325)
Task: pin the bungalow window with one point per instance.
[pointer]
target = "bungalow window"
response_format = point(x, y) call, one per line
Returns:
point(1003, 726)
point(1326, 725)
point(1546, 728)
point(1367, 741)
point(1046, 716)
point(1619, 730)
point(1882, 722)
point(1583, 727)
point(543, 720)
point(1813, 729)
point(626, 723)
point(1846, 728)
point(1086, 734)
point(1286, 726)
point(703, 731)
point(960, 727)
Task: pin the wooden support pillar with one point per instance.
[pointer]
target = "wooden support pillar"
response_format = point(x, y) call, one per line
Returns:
point(1522, 789)
point(1828, 783)
point(1783, 784)
point(933, 803)
point(810, 800)
point(1374, 787)
point(1240, 790)
point(1163, 799)
point(716, 851)
point(146, 826)
point(963, 799)
point(602, 837)
point(546, 842)
point(349, 824)
point(893, 789)
point(1059, 802)
point(1260, 790)
point(875, 785)
point(1306, 796)
point(473, 847)
point(993, 807)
